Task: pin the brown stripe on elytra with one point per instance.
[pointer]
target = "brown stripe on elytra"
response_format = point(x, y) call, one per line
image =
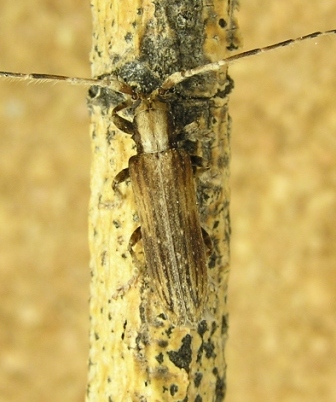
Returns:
point(170, 242)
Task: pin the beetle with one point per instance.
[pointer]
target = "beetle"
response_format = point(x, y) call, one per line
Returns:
point(161, 174)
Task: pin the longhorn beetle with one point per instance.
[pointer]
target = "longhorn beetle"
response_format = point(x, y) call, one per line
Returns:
point(160, 172)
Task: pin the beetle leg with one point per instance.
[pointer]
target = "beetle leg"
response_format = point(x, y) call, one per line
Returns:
point(207, 241)
point(134, 239)
point(122, 176)
point(198, 161)
point(124, 125)
point(136, 236)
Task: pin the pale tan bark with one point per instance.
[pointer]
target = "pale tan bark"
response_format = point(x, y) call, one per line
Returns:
point(134, 356)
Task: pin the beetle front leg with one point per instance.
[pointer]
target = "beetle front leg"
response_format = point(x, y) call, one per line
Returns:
point(124, 125)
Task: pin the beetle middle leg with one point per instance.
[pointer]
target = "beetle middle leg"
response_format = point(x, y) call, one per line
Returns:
point(122, 176)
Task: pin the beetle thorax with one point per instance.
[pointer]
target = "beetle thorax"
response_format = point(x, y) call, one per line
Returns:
point(153, 124)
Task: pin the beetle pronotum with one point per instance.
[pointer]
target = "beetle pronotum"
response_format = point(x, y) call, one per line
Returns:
point(173, 241)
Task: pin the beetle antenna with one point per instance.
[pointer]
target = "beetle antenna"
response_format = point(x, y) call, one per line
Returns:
point(180, 76)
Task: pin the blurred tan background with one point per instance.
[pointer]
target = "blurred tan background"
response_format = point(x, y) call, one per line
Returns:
point(282, 345)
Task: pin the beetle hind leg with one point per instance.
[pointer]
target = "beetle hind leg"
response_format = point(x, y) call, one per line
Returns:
point(134, 239)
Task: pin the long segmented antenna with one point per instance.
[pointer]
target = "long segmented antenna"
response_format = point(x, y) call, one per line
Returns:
point(180, 76)
point(169, 82)
point(111, 83)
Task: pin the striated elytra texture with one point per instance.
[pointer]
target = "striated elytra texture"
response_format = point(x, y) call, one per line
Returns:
point(164, 191)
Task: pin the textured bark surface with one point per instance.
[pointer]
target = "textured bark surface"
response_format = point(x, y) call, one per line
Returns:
point(136, 354)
